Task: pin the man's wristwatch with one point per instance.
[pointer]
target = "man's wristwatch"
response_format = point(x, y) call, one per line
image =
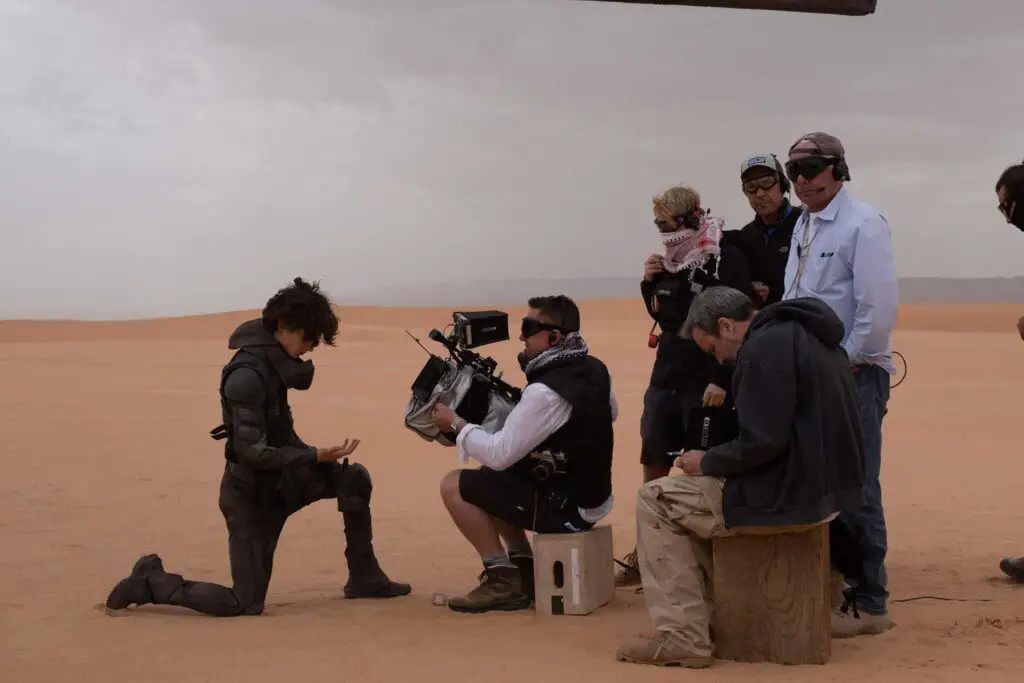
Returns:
point(457, 424)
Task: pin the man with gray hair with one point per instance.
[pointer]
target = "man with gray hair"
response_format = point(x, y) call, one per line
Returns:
point(797, 460)
point(842, 254)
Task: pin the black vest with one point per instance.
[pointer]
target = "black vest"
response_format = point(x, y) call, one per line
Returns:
point(587, 439)
point(277, 414)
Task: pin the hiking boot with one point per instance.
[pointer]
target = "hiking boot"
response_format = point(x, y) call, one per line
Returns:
point(629, 575)
point(1013, 567)
point(849, 623)
point(661, 649)
point(501, 588)
point(524, 563)
point(135, 590)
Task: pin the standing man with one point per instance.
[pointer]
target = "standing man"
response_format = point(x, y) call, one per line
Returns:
point(1010, 193)
point(269, 473)
point(768, 236)
point(842, 254)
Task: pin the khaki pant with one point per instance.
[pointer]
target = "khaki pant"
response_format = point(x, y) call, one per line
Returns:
point(676, 518)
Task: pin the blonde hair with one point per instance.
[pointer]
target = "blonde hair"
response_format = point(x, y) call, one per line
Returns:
point(676, 200)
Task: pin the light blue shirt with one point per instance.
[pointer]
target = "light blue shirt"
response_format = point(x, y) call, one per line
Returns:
point(843, 256)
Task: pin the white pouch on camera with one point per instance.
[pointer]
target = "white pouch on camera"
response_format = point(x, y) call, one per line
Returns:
point(450, 390)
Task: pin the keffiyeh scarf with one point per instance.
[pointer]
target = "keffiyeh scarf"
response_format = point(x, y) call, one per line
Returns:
point(687, 249)
point(570, 346)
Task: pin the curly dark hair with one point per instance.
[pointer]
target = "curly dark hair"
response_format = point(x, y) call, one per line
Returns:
point(302, 306)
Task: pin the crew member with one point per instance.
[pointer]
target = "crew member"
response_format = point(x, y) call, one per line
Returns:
point(842, 254)
point(548, 469)
point(1010, 194)
point(269, 472)
point(695, 256)
point(798, 460)
point(769, 235)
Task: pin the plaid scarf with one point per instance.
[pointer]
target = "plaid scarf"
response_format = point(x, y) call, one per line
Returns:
point(691, 249)
point(571, 346)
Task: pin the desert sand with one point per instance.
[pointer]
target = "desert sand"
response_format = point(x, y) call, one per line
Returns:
point(106, 456)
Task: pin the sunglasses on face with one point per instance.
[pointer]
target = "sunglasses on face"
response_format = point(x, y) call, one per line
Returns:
point(764, 183)
point(689, 220)
point(1006, 207)
point(532, 326)
point(808, 167)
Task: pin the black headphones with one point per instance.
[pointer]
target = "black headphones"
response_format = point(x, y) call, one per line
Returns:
point(840, 171)
point(690, 220)
point(784, 184)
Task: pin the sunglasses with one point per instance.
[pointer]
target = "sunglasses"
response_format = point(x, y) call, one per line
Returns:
point(1006, 207)
point(764, 183)
point(808, 167)
point(690, 220)
point(532, 326)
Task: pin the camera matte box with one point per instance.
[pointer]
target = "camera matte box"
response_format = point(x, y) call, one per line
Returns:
point(481, 327)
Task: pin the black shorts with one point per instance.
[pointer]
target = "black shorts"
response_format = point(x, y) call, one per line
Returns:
point(663, 423)
point(518, 500)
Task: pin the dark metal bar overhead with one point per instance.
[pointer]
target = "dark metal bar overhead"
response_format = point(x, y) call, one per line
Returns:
point(843, 7)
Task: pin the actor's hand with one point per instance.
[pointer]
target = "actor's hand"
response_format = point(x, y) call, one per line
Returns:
point(443, 416)
point(652, 266)
point(689, 463)
point(335, 453)
point(761, 289)
point(1020, 327)
point(714, 395)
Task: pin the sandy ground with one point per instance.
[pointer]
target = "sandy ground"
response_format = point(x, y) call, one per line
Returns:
point(106, 456)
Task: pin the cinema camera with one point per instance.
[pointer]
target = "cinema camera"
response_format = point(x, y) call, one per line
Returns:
point(465, 381)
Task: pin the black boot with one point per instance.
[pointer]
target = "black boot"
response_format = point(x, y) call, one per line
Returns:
point(135, 589)
point(524, 563)
point(365, 577)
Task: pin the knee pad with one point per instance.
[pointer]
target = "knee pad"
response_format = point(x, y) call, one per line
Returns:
point(354, 487)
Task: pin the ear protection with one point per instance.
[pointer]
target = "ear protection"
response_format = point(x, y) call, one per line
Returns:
point(840, 171)
point(784, 184)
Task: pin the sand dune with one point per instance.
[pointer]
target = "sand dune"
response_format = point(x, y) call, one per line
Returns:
point(106, 456)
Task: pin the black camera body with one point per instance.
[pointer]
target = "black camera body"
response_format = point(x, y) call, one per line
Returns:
point(546, 464)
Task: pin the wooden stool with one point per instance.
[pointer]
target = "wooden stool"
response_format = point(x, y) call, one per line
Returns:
point(772, 589)
point(573, 573)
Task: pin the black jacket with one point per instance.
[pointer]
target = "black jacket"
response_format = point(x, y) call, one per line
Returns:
point(258, 425)
point(767, 249)
point(799, 454)
point(587, 439)
point(680, 363)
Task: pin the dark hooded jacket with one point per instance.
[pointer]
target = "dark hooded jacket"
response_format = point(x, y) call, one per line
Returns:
point(799, 454)
point(258, 426)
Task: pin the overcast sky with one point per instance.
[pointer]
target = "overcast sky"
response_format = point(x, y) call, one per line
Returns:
point(162, 157)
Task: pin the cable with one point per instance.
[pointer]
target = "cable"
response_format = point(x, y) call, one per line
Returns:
point(938, 597)
point(897, 353)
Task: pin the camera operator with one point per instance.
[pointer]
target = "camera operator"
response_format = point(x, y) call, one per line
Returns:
point(698, 254)
point(1010, 193)
point(269, 473)
point(548, 469)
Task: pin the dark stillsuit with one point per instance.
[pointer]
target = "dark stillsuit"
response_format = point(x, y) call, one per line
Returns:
point(269, 474)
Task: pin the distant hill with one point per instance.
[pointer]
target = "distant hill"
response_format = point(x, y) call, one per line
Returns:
point(513, 292)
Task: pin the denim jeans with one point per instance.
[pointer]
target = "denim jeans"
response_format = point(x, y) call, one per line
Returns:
point(867, 523)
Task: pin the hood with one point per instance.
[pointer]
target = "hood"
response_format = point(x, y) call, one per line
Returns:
point(250, 336)
point(813, 315)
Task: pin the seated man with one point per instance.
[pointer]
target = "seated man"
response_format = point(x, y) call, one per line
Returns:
point(549, 468)
point(269, 473)
point(797, 459)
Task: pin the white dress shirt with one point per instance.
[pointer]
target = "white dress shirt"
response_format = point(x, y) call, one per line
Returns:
point(843, 256)
point(539, 414)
